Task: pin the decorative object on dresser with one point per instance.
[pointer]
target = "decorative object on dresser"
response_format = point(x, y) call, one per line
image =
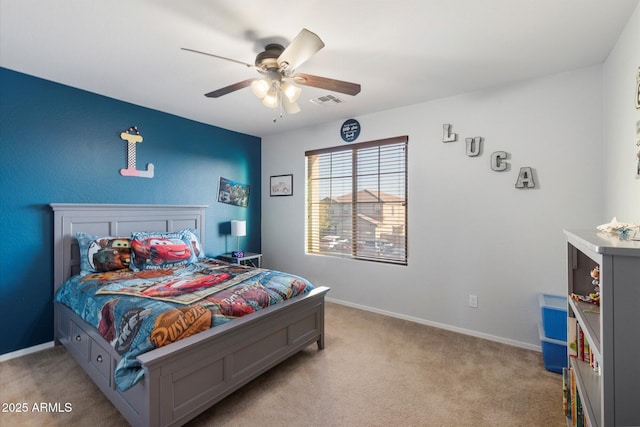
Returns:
point(179, 380)
point(602, 383)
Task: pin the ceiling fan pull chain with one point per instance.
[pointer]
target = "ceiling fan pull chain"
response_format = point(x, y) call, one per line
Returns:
point(278, 105)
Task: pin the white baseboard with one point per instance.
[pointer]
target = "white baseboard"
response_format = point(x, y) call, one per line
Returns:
point(495, 338)
point(25, 351)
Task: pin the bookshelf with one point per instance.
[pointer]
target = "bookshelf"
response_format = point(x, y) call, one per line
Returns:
point(608, 393)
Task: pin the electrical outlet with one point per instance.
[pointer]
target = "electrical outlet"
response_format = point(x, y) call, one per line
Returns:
point(473, 301)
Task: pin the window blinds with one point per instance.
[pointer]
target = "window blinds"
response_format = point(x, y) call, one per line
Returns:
point(357, 200)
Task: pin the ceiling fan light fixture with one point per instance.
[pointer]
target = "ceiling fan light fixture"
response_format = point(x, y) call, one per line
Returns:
point(278, 85)
point(271, 99)
point(260, 87)
point(291, 92)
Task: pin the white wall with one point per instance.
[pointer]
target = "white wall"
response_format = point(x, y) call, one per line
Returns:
point(621, 197)
point(470, 230)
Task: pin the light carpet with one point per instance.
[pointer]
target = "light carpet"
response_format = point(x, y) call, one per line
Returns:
point(374, 371)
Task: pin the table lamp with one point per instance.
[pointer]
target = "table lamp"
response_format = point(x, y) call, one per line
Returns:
point(238, 229)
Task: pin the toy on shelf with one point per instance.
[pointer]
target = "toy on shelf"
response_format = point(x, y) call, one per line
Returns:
point(593, 297)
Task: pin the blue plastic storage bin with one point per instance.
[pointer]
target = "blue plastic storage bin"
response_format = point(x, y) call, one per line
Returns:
point(554, 353)
point(554, 316)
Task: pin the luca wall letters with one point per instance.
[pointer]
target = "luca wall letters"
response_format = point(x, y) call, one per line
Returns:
point(498, 159)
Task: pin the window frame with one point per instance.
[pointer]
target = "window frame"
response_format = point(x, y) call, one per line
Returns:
point(313, 202)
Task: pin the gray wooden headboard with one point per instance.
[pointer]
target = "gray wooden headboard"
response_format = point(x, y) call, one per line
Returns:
point(113, 220)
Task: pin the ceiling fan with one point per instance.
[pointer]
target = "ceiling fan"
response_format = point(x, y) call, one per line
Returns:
point(277, 87)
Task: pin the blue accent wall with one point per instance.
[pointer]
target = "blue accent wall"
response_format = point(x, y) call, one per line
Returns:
point(59, 144)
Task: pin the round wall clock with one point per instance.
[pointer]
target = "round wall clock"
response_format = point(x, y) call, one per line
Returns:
point(350, 130)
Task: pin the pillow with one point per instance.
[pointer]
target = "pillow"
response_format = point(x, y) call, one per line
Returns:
point(103, 253)
point(194, 237)
point(157, 250)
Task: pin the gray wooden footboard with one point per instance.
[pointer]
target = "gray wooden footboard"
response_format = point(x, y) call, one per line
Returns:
point(182, 379)
point(185, 378)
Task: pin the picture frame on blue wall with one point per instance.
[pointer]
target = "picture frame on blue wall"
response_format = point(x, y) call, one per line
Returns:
point(233, 193)
point(281, 185)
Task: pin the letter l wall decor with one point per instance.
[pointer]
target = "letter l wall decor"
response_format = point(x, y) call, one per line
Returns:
point(133, 137)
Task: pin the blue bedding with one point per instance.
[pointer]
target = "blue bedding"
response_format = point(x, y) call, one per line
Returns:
point(139, 311)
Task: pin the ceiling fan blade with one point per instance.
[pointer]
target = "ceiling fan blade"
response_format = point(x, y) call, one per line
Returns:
point(228, 89)
point(303, 47)
point(219, 57)
point(326, 83)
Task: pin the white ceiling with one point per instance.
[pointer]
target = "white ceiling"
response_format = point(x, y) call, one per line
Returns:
point(402, 52)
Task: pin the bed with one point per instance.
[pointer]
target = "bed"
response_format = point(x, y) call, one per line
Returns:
point(184, 378)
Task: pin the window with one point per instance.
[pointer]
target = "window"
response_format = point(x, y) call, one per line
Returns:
point(357, 201)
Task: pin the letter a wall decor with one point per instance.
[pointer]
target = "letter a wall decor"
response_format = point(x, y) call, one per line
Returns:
point(133, 137)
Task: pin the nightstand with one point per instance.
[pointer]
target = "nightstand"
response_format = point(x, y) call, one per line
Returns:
point(250, 258)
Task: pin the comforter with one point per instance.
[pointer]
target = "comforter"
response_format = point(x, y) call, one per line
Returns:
point(137, 312)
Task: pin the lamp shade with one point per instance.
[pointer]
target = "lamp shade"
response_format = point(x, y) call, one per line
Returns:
point(292, 92)
point(260, 87)
point(270, 99)
point(238, 228)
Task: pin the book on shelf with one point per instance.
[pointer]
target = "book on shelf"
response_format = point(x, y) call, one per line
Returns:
point(571, 400)
point(572, 341)
point(586, 351)
point(578, 345)
point(566, 394)
point(580, 342)
point(574, 398)
point(579, 414)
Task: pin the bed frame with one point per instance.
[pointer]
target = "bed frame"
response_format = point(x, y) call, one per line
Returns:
point(183, 379)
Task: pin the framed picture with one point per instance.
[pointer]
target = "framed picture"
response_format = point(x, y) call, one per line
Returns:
point(281, 185)
point(233, 193)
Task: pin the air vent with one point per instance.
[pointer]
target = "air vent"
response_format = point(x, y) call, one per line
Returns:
point(326, 99)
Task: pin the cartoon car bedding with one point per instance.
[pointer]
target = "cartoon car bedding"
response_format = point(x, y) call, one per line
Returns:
point(137, 311)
